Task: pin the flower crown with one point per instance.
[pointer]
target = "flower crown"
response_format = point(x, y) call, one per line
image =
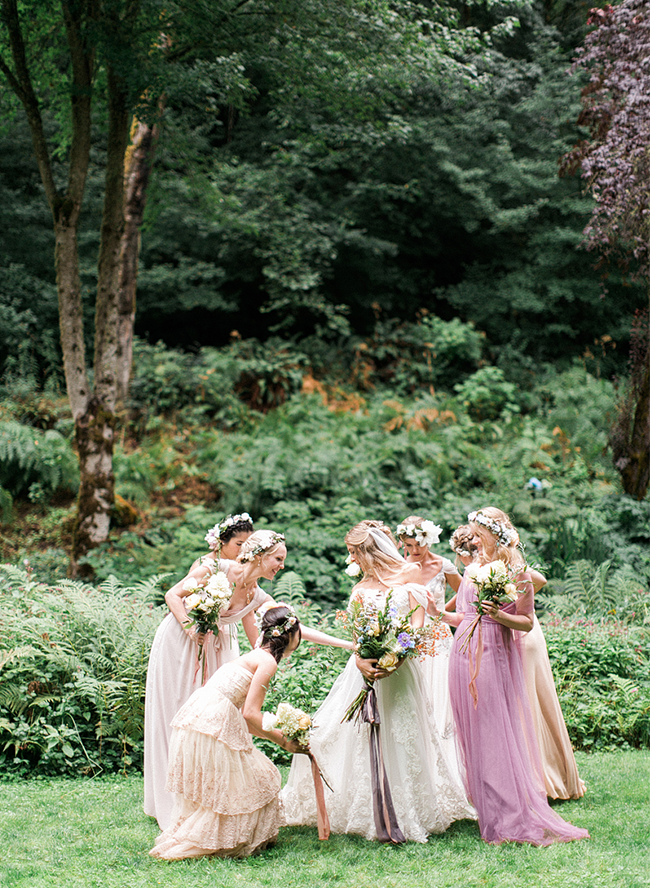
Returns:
point(213, 536)
point(258, 548)
point(425, 534)
point(288, 623)
point(506, 536)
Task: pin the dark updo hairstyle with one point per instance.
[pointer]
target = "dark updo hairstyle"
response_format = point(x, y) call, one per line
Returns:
point(226, 535)
point(276, 617)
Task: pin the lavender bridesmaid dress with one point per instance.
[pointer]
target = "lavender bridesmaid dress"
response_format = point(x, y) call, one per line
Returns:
point(504, 777)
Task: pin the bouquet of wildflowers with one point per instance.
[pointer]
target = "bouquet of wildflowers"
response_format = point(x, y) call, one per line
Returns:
point(382, 634)
point(493, 583)
point(205, 603)
point(292, 722)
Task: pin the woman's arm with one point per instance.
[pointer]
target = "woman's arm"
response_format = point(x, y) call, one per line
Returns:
point(454, 580)
point(318, 637)
point(248, 622)
point(174, 597)
point(252, 709)
point(452, 619)
point(523, 619)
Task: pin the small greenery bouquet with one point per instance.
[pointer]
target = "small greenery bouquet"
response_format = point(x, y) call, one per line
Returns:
point(292, 722)
point(205, 603)
point(493, 583)
point(383, 634)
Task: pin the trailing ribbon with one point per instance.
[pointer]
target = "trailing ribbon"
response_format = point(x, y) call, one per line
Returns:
point(382, 803)
point(321, 810)
point(465, 647)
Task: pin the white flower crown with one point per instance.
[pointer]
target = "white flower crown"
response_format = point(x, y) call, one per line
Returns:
point(213, 536)
point(425, 534)
point(290, 620)
point(258, 548)
point(506, 536)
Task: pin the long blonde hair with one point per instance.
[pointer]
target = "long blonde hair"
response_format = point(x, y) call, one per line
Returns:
point(372, 560)
point(492, 536)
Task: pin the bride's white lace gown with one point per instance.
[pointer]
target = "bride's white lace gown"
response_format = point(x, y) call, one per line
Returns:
point(426, 795)
point(226, 791)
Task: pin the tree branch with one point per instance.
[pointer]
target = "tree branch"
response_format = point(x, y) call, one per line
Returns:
point(21, 84)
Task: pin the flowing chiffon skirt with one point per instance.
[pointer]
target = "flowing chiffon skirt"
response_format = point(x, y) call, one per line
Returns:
point(499, 749)
point(561, 776)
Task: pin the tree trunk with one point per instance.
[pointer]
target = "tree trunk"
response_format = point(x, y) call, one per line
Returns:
point(136, 178)
point(635, 474)
point(94, 435)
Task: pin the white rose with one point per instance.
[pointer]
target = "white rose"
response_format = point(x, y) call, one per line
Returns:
point(269, 721)
point(511, 591)
point(430, 533)
point(483, 573)
point(191, 584)
point(352, 569)
point(471, 571)
point(193, 600)
point(499, 570)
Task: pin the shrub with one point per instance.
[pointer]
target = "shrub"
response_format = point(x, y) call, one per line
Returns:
point(601, 675)
point(74, 665)
point(487, 395)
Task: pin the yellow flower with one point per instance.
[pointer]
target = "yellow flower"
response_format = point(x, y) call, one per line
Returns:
point(304, 722)
point(388, 661)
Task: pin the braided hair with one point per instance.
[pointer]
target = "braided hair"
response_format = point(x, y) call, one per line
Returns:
point(278, 628)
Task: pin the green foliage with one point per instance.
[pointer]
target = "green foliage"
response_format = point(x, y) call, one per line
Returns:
point(35, 461)
point(601, 674)
point(72, 683)
point(487, 395)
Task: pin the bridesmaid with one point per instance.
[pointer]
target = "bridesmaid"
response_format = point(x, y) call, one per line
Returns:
point(416, 535)
point(261, 556)
point(172, 674)
point(488, 694)
point(561, 776)
point(226, 791)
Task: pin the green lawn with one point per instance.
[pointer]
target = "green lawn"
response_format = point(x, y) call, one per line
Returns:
point(93, 833)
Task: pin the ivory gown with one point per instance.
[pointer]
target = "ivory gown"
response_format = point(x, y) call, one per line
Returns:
point(173, 675)
point(426, 795)
point(226, 791)
point(561, 776)
point(435, 671)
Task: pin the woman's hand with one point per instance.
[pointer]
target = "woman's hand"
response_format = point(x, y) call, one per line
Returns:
point(432, 608)
point(294, 747)
point(369, 669)
point(193, 634)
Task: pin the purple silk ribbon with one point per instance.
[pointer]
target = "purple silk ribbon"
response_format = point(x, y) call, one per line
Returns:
point(382, 803)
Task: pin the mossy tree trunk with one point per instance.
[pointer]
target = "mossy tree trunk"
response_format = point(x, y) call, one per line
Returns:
point(93, 406)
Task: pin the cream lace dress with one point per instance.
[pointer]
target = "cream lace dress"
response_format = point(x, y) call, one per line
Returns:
point(227, 791)
point(426, 795)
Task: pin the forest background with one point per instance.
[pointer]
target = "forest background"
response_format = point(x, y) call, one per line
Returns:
point(361, 293)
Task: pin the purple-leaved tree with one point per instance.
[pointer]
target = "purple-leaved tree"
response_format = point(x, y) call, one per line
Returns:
point(615, 163)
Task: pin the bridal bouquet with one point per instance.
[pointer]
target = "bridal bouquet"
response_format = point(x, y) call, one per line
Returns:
point(383, 634)
point(292, 722)
point(493, 583)
point(205, 603)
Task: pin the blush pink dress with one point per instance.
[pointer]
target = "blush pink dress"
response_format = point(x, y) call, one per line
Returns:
point(503, 770)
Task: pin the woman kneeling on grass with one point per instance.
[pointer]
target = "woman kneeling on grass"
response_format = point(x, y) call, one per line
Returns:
point(227, 791)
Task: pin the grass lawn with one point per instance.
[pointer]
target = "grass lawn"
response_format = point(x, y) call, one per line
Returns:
point(93, 833)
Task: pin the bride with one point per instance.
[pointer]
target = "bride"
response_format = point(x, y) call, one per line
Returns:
point(425, 796)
